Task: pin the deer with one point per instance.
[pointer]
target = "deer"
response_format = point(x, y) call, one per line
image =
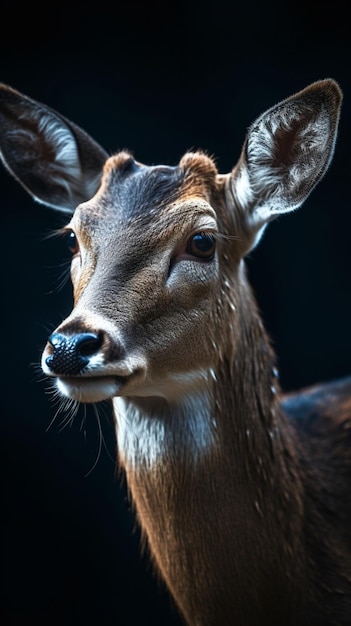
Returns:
point(241, 490)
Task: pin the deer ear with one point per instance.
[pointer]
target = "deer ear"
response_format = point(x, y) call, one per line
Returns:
point(52, 158)
point(287, 151)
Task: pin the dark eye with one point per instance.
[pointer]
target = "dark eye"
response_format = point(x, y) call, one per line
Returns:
point(72, 242)
point(202, 245)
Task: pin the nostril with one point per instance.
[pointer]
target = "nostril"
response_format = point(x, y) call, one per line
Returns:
point(87, 344)
point(71, 352)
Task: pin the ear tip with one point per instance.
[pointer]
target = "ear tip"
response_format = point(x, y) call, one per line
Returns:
point(331, 88)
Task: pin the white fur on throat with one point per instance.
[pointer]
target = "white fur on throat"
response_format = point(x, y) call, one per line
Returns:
point(146, 437)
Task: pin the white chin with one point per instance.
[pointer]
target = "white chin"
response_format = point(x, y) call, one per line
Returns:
point(88, 389)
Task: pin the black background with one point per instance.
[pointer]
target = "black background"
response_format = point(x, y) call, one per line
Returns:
point(158, 79)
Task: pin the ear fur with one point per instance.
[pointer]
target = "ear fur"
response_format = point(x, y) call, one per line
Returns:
point(52, 158)
point(286, 152)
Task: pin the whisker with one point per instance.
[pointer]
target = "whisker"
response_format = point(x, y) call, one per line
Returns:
point(67, 406)
point(62, 277)
point(71, 408)
point(39, 375)
point(56, 398)
point(108, 419)
point(101, 440)
point(55, 233)
point(83, 422)
point(67, 410)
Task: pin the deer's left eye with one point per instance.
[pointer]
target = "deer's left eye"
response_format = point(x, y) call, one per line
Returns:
point(72, 242)
point(202, 246)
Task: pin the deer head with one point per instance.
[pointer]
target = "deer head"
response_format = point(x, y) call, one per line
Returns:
point(155, 248)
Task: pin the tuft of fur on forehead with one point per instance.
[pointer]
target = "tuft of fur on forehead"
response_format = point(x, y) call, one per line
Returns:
point(200, 173)
point(119, 162)
point(199, 163)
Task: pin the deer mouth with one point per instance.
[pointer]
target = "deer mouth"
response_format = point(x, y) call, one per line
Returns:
point(91, 389)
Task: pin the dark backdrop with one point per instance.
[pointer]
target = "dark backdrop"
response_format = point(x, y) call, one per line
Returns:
point(158, 79)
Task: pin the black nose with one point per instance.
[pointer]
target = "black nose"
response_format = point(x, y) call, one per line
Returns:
point(71, 352)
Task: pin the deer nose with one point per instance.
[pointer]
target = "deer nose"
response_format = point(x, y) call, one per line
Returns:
point(71, 352)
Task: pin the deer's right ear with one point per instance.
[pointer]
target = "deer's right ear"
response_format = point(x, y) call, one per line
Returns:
point(52, 158)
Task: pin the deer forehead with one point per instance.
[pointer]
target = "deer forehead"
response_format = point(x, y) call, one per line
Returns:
point(163, 199)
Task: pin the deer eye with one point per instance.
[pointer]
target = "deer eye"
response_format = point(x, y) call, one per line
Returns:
point(72, 242)
point(202, 245)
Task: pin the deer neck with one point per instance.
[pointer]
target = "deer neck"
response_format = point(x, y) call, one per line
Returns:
point(207, 474)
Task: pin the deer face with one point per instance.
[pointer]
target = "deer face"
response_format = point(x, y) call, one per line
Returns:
point(145, 271)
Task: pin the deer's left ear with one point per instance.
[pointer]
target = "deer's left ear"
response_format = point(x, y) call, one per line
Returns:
point(286, 152)
point(57, 162)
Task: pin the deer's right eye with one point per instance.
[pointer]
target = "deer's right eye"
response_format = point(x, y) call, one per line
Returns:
point(72, 242)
